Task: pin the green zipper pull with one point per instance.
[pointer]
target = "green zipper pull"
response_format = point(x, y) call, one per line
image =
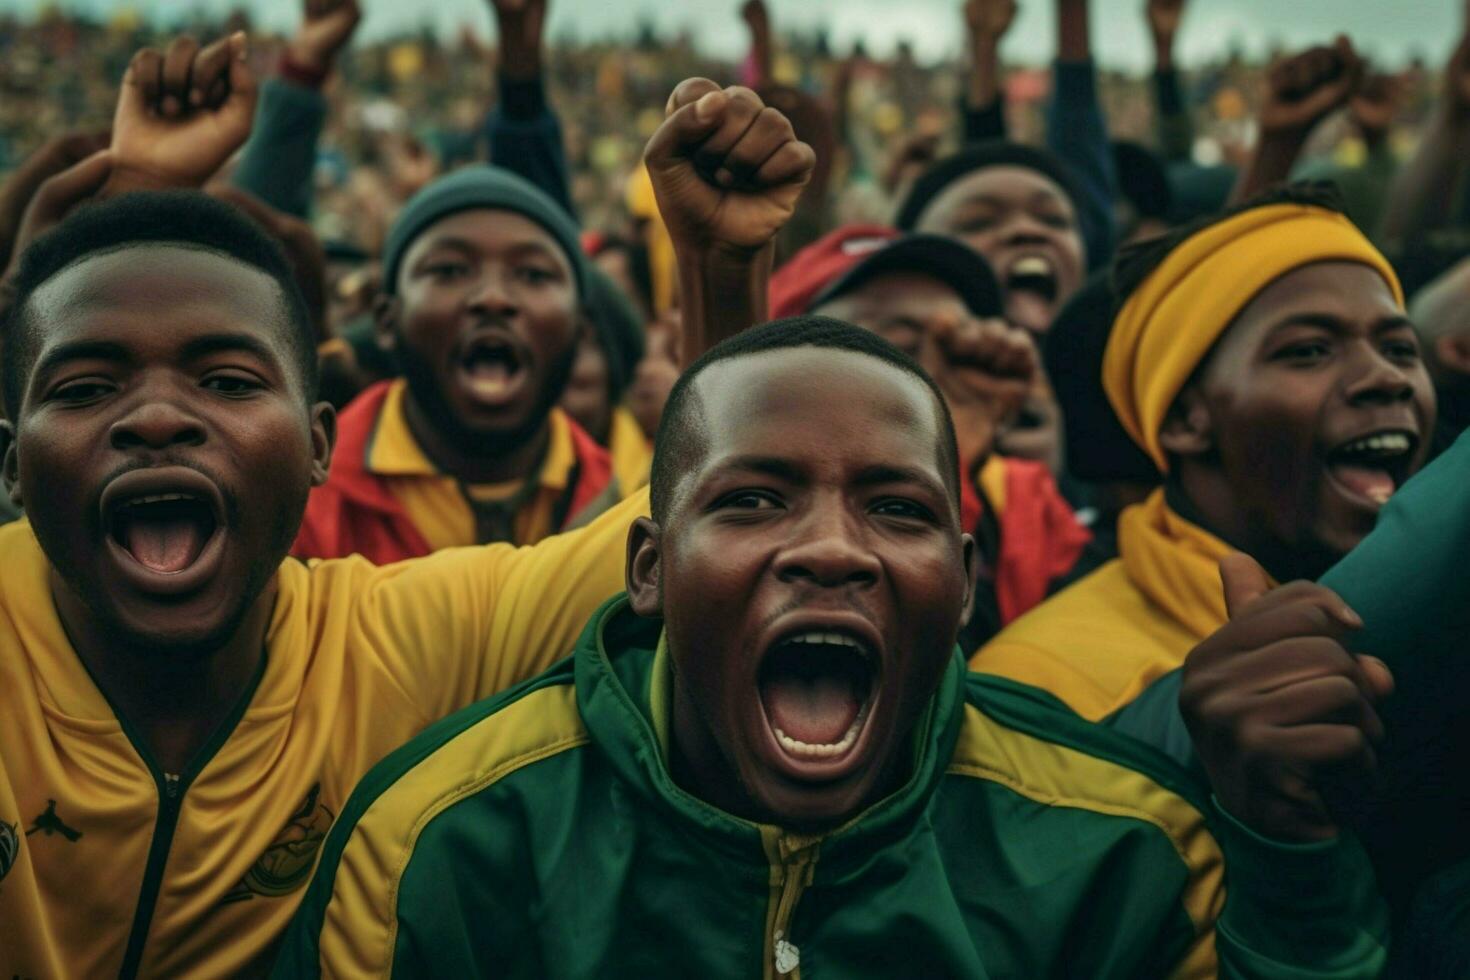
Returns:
point(170, 785)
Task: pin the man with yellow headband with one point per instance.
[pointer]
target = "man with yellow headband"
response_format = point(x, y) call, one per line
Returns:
point(1264, 363)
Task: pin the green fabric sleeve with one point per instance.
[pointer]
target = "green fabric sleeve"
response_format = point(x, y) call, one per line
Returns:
point(1293, 911)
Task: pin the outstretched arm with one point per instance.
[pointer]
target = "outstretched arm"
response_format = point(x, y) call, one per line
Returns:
point(1077, 132)
point(523, 130)
point(277, 163)
point(1174, 126)
point(1300, 92)
point(986, 24)
point(1422, 196)
point(727, 172)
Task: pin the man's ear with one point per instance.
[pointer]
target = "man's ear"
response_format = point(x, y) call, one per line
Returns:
point(323, 440)
point(1453, 352)
point(10, 461)
point(972, 575)
point(1188, 429)
point(644, 578)
point(386, 310)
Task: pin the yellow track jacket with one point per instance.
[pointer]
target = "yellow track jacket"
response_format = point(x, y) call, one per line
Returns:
point(110, 867)
point(1100, 642)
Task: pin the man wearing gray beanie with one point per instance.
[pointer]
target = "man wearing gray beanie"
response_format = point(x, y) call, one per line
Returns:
point(485, 288)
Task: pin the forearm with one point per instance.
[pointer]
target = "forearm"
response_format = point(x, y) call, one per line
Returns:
point(1422, 194)
point(1077, 132)
point(1270, 164)
point(277, 162)
point(982, 90)
point(524, 136)
point(1174, 126)
point(1298, 910)
point(721, 293)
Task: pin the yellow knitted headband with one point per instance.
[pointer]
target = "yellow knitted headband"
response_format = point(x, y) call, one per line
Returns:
point(1175, 316)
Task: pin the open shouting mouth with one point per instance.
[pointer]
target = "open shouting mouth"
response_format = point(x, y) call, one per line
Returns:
point(165, 527)
point(492, 370)
point(817, 689)
point(1371, 468)
point(1031, 288)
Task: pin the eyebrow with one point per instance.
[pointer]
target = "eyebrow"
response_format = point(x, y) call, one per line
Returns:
point(81, 350)
point(772, 466)
point(888, 473)
point(786, 471)
point(470, 248)
point(215, 343)
point(1336, 324)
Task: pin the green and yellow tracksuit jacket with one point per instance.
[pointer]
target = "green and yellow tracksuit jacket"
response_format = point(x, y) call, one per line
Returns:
point(540, 834)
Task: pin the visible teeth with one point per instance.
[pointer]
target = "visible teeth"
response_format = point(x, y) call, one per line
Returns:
point(1380, 495)
point(828, 639)
point(1031, 265)
point(159, 498)
point(1390, 442)
point(797, 747)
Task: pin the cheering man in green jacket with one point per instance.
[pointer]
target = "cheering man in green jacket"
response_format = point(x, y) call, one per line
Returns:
point(768, 759)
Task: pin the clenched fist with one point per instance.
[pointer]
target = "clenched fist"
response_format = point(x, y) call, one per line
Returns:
point(1278, 707)
point(1304, 88)
point(985, 369)
point(181, 114)
point(727, 170)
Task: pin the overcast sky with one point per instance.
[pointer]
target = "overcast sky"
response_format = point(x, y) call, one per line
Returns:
point(1388, 29)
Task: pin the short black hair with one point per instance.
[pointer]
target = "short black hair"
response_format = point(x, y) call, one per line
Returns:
point(188, 219)
point(674, 448)
point(1137, 262)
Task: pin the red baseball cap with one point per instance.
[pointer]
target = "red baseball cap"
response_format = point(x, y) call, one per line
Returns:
point(852, 255)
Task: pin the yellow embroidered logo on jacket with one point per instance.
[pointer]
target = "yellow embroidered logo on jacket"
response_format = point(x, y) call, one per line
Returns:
point(9, 848)
point(287, 862)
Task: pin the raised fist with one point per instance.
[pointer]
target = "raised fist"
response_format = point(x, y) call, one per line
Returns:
point(181, 114)
point(1304, 88)
point(985, 369)
point(1278, 707)
point(326, 27)
point(989, 20)
point(727, 170)
point(1375, 104)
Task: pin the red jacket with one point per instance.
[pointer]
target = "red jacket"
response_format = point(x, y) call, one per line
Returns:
point(1040, 539)
point(355, 511)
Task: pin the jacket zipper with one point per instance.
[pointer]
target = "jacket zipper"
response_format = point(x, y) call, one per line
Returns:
point(793, 862)
point(171, 789)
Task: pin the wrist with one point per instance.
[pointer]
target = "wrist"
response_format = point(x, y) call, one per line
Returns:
point(305, 65)
point(126, 178)
point(1164, 52)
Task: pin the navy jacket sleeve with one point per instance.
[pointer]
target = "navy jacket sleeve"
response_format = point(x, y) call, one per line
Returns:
point(1076, 132)
point(982, 125)
point(525, 137)
point(277, 162)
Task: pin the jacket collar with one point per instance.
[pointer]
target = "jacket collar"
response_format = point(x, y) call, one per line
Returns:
point(618, 693)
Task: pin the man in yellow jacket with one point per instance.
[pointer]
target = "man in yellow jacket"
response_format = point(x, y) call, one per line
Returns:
point(183, 710)
point(1264, 363)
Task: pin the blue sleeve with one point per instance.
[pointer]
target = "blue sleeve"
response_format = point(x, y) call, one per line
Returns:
point(278, 160)
point(525, 137)
point(1076, 132)
point(982, 125)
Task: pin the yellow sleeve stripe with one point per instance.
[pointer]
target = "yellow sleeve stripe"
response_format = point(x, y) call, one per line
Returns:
point(1058, 775)
point(360, 929)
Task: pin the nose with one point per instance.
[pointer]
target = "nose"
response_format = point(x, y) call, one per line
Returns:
point(827, 550)
point(156, 423)
point(491, 294)
point(1380, 381)
point(1021, 228)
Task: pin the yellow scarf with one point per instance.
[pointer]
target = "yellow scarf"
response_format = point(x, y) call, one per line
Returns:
point(1175, 563)
point(1174, 317)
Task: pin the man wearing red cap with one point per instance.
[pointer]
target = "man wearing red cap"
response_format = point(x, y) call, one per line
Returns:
point(939, 302)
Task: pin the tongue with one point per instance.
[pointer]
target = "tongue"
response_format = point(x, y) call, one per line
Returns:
point(168, 544)
point(817, 710)
point(1028, 309)
point(1374, 484)
point(489, 379)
